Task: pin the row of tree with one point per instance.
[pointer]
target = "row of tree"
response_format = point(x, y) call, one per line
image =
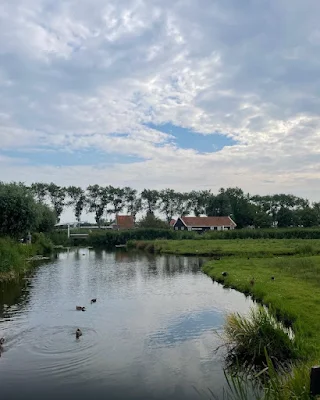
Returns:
point(280, 210)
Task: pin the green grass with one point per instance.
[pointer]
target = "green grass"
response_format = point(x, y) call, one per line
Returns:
point(294, 295)
point(247, 338)
point(235, 248)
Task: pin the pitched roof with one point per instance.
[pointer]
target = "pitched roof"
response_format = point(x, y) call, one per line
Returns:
point(207, 221)
point(125, 221)
point(172, 222)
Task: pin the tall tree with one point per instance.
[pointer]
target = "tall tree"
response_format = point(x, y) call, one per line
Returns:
point(168, 202)
point(182, 204)
point(218, 205)
point(285, 217)
point(242, 209)
point(307, 217)
point(132, 201)
point(78, 200)
point(57, 196)
point(199, 201)
point(18, 210)
point(97, 200)
point(40, 191)
point(116, 197)
point(150, 200)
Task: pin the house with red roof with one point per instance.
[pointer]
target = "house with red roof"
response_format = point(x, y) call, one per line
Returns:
point(172, 222)
point(123, 222)
point(202, 224)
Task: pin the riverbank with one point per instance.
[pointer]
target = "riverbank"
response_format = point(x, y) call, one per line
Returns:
point(283, 274)
point(17, 258)
point(231, 248)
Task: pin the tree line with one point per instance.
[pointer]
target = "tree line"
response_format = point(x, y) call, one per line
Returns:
point(282, 210)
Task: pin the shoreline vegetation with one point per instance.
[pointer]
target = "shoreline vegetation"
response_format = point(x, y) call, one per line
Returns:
point(18, 258)
point(284, 276)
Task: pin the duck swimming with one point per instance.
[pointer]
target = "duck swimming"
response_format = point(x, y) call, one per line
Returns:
point(78, 333)
point(80, 308)
point(93, 301)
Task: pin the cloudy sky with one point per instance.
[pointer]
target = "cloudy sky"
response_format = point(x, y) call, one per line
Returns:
point(156, 93)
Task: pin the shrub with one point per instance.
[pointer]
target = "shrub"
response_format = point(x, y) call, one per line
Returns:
point(12, 255)
point(41, 244)
point(247, 338)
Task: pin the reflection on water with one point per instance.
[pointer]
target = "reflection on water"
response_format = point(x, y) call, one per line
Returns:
point(149, 336)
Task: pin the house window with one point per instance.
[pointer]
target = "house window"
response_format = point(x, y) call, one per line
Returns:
point(182, 228)
point(175, 228)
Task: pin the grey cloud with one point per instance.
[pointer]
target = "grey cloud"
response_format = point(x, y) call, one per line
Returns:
point(73, 73)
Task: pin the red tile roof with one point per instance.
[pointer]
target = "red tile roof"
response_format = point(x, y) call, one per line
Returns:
point(208, 221)
point(172, 222)
point(125, 221)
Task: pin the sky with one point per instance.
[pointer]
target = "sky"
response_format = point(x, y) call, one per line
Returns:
point(185, 94)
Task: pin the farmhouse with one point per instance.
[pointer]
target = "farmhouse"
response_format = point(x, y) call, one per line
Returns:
point(202, 224)
point(123, 222)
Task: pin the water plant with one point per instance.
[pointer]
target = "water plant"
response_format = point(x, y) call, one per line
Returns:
point(247, 337)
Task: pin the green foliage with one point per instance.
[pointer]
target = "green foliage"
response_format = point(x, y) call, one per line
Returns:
point(150, 221)
point(41, 244)
point(57, 196)
point(281, 210)
point(14, 255)
point(109, 239)
point(18, 210)
point(78, 200)
point(11, 256)
point(246, 339)
point(150, 200)
point(46, 219)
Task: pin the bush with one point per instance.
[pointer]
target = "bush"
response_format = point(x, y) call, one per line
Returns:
point(42, 245)
point(247, 339)
point(12, 255)
point(111, 238)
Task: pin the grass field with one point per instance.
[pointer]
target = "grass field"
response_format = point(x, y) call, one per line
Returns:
point(235, 247)
point(294, 294)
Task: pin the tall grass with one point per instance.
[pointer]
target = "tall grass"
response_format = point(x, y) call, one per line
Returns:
point(278, 384)
point(14, 255)
point(246, 339)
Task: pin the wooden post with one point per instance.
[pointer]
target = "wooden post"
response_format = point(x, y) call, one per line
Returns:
point(68, 231)
point(315, 381)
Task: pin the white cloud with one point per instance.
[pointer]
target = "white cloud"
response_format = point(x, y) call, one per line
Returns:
point(73, 74)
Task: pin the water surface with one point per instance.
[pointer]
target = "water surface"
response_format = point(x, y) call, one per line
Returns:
point(149, 336)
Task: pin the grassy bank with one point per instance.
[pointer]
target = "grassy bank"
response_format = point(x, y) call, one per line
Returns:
point(236, 248)
point(293, 295)
point(14, 255)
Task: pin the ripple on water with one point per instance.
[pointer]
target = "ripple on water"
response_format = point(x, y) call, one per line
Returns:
point(54, 351)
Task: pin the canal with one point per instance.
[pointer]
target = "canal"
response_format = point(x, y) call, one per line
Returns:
point(150, 335)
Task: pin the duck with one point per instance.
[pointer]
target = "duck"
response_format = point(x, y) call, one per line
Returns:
point(80, 308)
point(93, 301)
point(2, 340)
point(252, 282)
point(78, 333)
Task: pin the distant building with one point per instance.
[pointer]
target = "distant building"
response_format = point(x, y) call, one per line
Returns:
point(123, 222)
point(202, 224)
point(172, 222)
